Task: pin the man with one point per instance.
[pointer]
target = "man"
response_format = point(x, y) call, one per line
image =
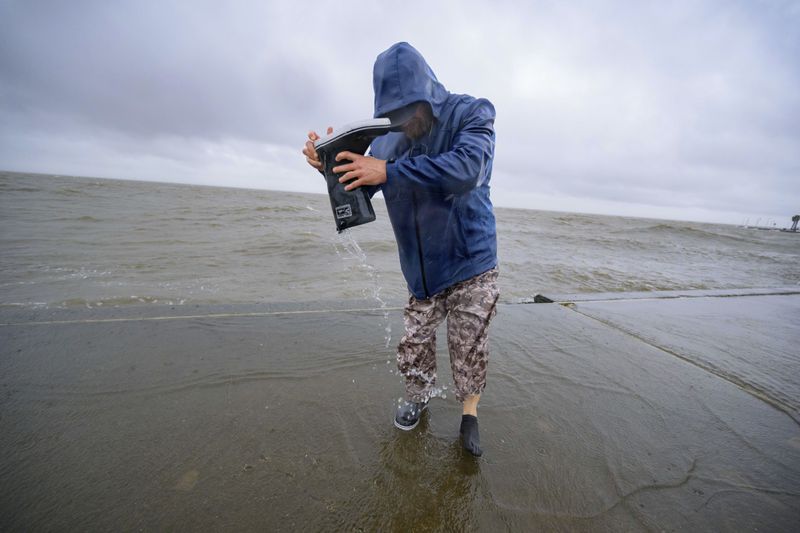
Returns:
point(434, 175)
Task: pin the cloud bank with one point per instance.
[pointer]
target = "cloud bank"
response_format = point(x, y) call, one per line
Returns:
point(683, 110)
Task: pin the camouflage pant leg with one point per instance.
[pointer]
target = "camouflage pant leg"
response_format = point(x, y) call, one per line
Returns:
point(471, 304)
point(416, 353)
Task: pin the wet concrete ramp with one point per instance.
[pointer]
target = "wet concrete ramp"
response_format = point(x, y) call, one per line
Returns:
point(668, 414)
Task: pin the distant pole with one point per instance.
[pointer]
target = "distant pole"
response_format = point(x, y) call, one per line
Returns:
point(795, 220)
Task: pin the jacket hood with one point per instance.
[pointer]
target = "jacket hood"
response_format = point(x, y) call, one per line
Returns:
point(401, 76)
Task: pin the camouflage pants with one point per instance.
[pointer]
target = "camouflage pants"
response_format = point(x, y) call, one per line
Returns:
point(469, 306)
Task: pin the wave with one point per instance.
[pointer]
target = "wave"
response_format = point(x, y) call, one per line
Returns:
point(119, 301)
point(685, 231)
point(7, 188)
point(70, 191)
point(84, 218)
point(280, 209)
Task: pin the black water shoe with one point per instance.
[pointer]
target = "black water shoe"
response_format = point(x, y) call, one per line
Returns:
point(408, 414)
point(470, 438)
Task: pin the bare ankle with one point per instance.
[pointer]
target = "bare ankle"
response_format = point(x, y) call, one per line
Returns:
point(470, 405)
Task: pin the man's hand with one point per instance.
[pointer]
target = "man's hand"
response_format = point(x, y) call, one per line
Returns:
point(362, 169)
point(311, 154)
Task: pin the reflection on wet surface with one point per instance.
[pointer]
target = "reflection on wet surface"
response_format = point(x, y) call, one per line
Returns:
point(283, 422)
point(752, 343)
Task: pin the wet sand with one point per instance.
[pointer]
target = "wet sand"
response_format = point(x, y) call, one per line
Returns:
point(626, 415)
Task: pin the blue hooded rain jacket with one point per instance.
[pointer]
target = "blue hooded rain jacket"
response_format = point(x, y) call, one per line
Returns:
point(437, 187)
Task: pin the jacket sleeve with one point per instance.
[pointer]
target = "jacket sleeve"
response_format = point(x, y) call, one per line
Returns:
point(461, 168)
point(371, 189)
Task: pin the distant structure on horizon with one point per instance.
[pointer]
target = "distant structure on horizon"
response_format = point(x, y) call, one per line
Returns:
point(795, 220)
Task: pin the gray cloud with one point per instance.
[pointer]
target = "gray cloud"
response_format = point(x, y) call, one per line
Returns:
point(687, 106)
point(146, 71)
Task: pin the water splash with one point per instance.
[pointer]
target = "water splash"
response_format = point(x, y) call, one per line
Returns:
point(352, 249)
point(433, 392)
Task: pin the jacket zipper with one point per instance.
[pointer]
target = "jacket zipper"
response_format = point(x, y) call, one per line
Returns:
point(419, 246)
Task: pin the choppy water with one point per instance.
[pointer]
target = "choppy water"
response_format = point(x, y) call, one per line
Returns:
point(90, 242)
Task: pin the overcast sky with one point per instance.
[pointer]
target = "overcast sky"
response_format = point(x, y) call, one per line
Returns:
point(685, 110)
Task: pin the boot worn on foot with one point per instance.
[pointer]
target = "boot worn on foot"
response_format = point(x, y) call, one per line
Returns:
point(470, 438)
point(408, 414)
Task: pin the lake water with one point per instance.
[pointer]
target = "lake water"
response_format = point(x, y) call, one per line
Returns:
point(191, 358)
point(88, 242)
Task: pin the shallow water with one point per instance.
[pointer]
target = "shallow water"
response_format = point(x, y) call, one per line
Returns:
point(283, 422)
